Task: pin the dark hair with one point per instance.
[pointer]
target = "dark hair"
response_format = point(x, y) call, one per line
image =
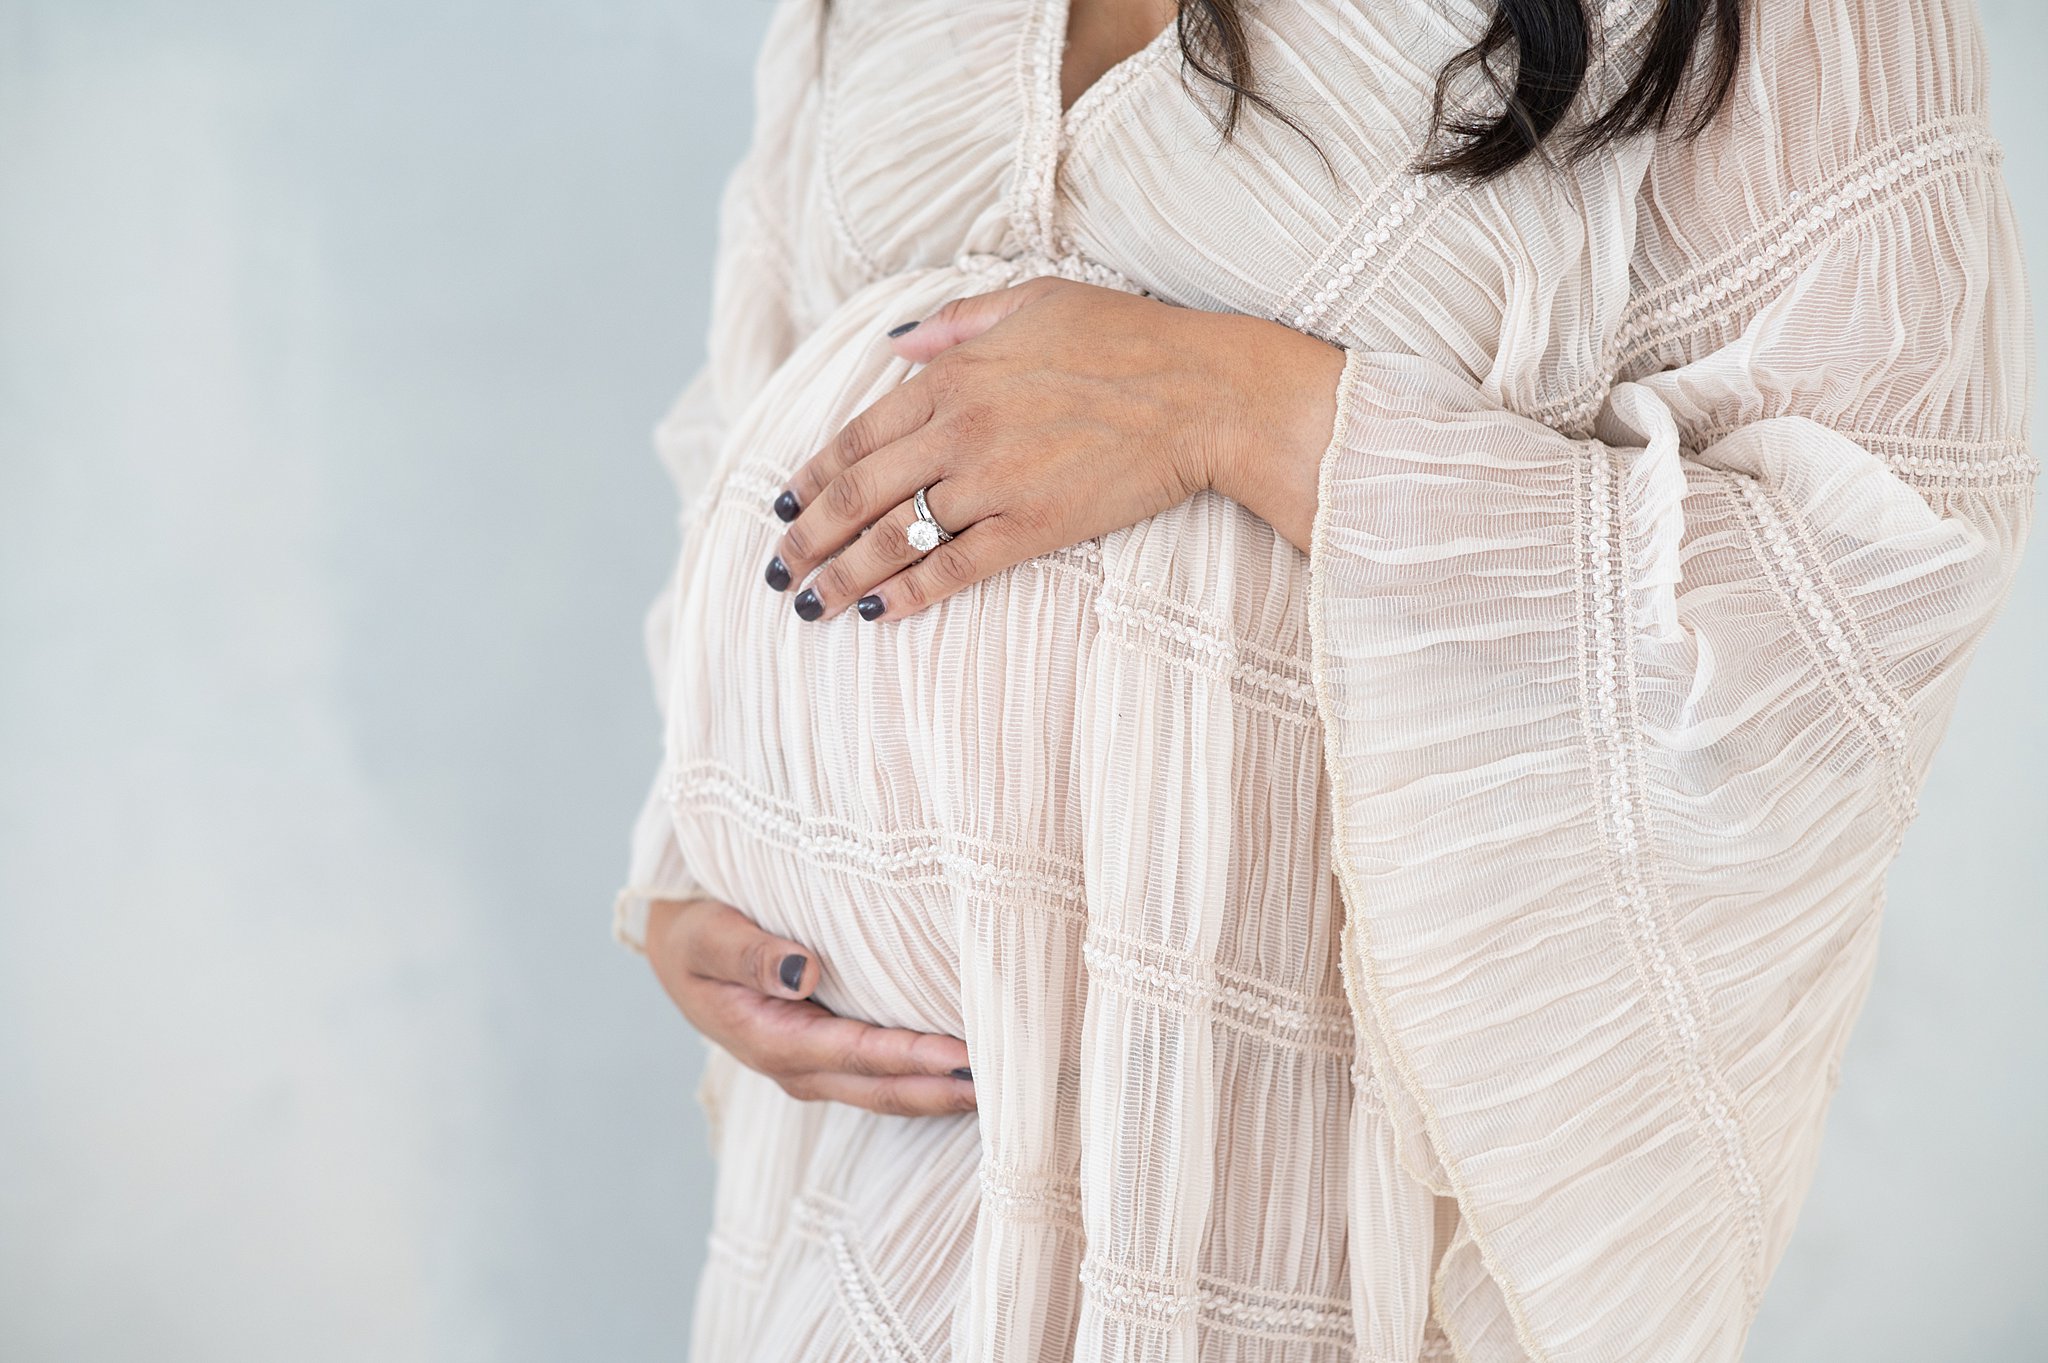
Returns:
point(1530, 62)
point(1548, 44)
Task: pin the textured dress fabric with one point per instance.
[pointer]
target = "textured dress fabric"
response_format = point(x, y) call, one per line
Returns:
point(1441, 943)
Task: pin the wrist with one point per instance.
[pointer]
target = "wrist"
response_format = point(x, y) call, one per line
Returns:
point(1270, 458)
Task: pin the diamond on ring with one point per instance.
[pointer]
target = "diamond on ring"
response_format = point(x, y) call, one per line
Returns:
point(925, 533)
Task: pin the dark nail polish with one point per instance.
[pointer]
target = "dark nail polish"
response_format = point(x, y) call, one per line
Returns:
point(792, 972)
point(808, 606)
point(870, 607)
point(785, 505)
point(963, 1073)
point(898, 331)
point(777, 574)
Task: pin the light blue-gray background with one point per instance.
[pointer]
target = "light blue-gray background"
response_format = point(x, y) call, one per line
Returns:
point(330, 336)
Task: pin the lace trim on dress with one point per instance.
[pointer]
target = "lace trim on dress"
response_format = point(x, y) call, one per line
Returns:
point(1772, 255)
point(1614, 731)
point(1180, 981)
point(898, 858)
point(1846, 662)
point(1368, 234)
point(746, 1261)
point(1150, 1300)
point(1982, 465)
point(1031, 1199)
point(877, 1327)
point(1284, 1315)
point(1064, 262)
point(1033, 188)
point(1260, 679)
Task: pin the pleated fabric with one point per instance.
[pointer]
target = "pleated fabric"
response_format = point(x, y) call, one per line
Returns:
point(1440, 944)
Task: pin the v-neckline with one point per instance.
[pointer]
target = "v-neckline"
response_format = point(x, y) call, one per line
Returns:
point(1048, 129)
point(1113, 77)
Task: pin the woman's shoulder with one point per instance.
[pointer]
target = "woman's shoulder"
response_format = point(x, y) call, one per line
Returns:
point(1837, 106)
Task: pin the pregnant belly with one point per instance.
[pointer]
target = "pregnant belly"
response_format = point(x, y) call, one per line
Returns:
point(852, 784)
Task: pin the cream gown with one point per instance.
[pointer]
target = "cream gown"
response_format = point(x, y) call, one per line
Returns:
point(1442, 942)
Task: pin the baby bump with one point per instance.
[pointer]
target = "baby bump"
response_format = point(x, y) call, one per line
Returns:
point(854, 784)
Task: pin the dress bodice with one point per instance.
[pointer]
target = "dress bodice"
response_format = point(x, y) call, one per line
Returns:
point(1322, 224)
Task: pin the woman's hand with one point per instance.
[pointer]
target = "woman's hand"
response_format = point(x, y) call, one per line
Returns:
point(1048, 413)
point(750, 992)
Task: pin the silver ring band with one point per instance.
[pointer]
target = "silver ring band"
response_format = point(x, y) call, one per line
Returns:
point(925, 534)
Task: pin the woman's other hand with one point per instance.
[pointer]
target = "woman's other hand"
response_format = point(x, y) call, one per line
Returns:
point(749, 991)
point(1046, 414)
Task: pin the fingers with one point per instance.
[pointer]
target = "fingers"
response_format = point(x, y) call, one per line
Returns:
point(987, 547)
point(963, 319)
point(850, 503)
point(849, 1046)
point(883, 1069)
point(743, 988)
point(882, 552)
point(739, 983)
point(718, 942)
point(889, 418)
point(906, 1096)
point(814, 1054)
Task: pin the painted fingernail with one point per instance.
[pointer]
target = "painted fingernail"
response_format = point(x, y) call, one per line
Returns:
point(899, 330)
point(963, 1073)
point(792, 972)
point(785, 505)
point(808, 606)
point(870, 607)
point(777, 574)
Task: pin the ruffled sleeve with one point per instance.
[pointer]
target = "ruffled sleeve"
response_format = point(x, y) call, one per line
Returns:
point(1624, 731)
point(757, 319)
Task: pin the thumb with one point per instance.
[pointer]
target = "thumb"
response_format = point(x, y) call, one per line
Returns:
point(721, 943)
point(962, 319)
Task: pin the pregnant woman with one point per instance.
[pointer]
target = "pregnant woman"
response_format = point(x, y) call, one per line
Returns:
point(1304, 632)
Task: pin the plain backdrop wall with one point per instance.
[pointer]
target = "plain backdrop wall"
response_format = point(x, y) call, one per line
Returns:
point(331, 332)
